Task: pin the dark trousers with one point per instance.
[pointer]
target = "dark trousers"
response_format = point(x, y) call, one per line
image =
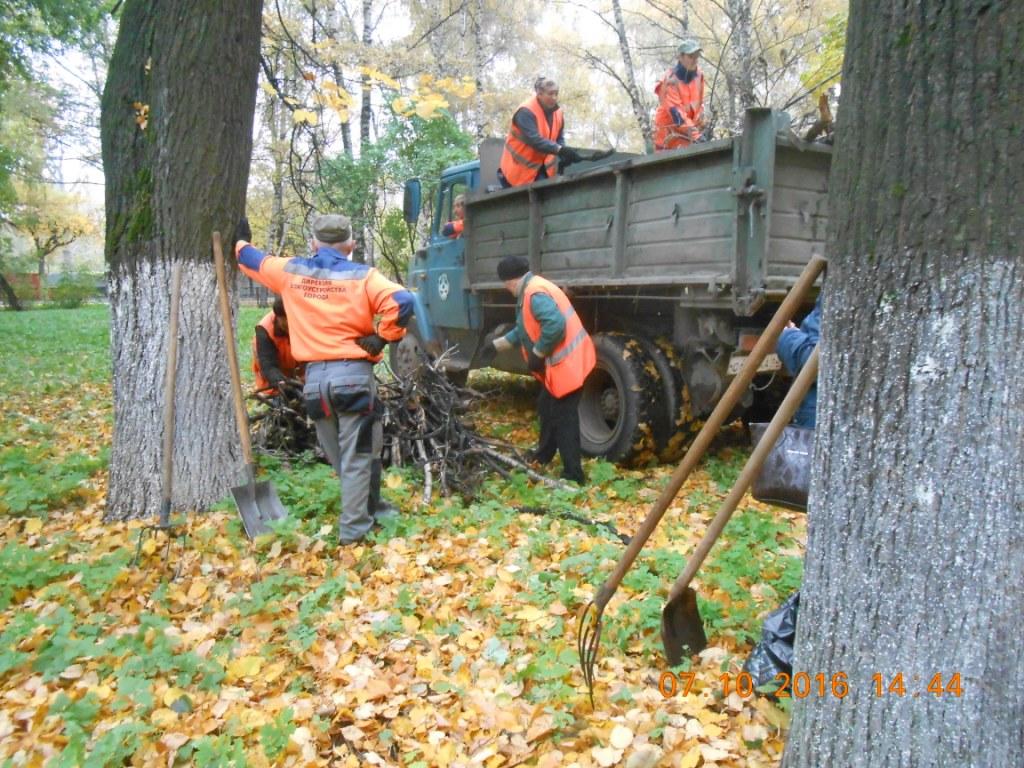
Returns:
point(560, 430)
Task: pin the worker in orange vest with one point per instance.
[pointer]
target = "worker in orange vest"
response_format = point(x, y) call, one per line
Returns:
point(272, 359)
point(559, 353)
point(453, 228)
point(680, 116)
point(341, 314)
point(535, 140)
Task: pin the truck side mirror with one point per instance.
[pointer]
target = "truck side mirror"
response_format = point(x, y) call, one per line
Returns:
point(411, 201)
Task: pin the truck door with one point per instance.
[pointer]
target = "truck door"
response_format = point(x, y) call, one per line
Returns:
point(443, 284)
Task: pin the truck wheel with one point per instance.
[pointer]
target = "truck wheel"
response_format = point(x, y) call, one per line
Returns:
point(619, 402)
point(406, 356)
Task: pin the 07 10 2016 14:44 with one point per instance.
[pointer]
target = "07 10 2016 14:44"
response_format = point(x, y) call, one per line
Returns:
point(800, 685)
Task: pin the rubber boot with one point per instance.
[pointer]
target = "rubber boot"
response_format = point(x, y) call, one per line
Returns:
point(378, 508)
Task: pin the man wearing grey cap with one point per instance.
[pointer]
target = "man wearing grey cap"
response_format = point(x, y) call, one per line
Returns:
point(341, 314)
point(680, 116)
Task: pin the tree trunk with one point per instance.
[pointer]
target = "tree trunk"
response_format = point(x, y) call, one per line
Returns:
point(193, 65)
point(479, 67)
point(640, 109)
point(915, 557)
point(365, 104)
point(44, 287)
point(9, 295)
point(743, 51)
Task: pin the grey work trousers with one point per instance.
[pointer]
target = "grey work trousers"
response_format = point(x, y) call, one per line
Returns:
point(351, 435)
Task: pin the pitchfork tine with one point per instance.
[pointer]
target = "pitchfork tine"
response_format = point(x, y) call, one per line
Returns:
point(588, 639)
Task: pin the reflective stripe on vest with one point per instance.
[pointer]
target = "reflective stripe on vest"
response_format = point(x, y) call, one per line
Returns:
point(520, 163)
point(574, 357)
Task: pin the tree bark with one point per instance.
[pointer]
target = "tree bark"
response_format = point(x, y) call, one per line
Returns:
point(915, 558)
point(741, 14)
point(169, 184)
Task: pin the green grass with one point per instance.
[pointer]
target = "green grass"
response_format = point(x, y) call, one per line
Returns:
point(55, 398)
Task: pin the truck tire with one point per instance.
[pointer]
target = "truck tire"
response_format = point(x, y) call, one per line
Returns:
point(680, 423)
point(619, 404)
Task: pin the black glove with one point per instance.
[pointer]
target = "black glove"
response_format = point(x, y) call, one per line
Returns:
point(534, 362)
point(487, 353)
point(242, 232)
point(373, 344)
point(568, 155)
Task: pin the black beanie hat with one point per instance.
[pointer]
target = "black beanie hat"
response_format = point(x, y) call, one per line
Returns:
point(512, 267)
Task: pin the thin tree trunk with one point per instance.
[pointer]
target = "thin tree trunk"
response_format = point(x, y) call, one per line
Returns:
point(169, 185)
point(743, 51)
point(640, 109)
point(915, 558)
point(44, 288)
point(365, 104)
point(479, 66)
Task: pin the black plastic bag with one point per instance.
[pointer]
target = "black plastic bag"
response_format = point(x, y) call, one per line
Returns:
point(774, 654)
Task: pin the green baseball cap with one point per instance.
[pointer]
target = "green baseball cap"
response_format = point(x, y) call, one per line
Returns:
point(688, 46)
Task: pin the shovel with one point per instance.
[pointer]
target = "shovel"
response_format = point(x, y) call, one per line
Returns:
point(589, 621)
point(164, 518)
point(682, 631)
point(257, 503)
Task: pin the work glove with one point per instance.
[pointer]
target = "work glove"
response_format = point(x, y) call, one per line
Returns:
point(487, 353)
point(568, 155)
point(534, 361)
point(488, 349)
point(242, 232)
point(373, 344)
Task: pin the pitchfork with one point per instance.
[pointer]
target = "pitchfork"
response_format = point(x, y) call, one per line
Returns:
point(588, 635)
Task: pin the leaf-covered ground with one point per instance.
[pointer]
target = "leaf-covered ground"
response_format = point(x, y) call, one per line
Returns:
point(448, 641)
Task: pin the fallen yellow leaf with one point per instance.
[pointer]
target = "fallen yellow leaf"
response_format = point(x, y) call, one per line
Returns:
point(246, 666)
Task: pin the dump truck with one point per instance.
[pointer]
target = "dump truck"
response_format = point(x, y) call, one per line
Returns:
point(674, 261)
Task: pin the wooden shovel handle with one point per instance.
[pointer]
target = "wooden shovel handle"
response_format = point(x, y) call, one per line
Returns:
point(241, 417)
point(765, 344)
point(169, 380)
point(782, 417)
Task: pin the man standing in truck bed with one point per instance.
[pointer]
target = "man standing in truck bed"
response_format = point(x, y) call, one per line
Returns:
point(535, 139)
point(680, 116)
point(559, 353)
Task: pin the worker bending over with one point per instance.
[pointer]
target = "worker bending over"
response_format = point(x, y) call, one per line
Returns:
point(272, 359)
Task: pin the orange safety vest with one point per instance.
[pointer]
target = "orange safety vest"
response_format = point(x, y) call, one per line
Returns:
point(688, 98)
point(457, 225)
point(520, 162)
point(285, 361)
point(575, 357)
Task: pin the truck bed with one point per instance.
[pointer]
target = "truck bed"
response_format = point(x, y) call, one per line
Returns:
point(728, 222)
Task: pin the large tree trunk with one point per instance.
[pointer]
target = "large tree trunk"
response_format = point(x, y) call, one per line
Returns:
point(169, 185)
point(915, 559)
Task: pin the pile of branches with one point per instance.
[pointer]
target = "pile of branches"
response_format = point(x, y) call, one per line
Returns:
point(281, 427)
point(426, 425)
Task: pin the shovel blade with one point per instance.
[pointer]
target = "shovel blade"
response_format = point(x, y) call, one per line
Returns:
point(258, 504)
point(682, 631)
